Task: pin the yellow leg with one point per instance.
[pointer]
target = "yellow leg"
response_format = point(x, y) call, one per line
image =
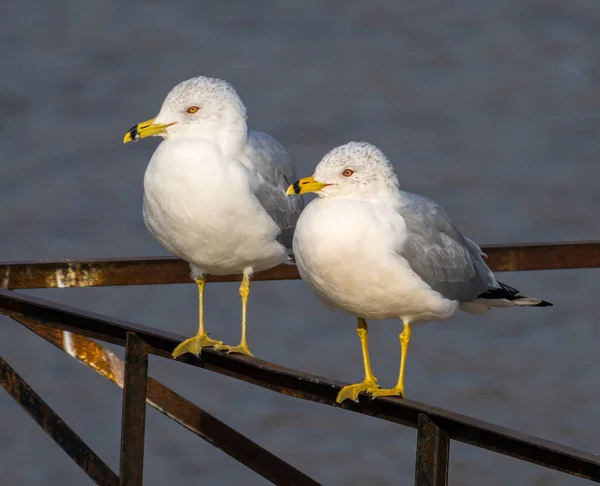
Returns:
point(398, 390)
point(241, 348)
point(369, 384)
point(195, 344)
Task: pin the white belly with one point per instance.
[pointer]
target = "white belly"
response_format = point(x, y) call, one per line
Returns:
point(203, 212)
point(345, 250)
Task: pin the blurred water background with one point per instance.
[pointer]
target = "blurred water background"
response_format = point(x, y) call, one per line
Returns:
point(489, 107)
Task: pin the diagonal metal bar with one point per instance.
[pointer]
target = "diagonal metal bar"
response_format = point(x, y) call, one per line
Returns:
point(176, 407)
point(433, 453)
point(157, 270)
point(309, 387)
point(133, 426)
point(54, 426)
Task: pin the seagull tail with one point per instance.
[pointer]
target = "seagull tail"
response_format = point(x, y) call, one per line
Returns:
point(503, 296)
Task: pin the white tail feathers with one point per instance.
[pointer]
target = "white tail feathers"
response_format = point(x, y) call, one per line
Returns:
point(527, 301)
point(481, 306)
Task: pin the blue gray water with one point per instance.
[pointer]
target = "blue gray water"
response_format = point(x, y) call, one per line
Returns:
point(491, 108)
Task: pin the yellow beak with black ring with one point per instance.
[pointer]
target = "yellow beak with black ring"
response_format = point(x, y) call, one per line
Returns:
point(145, 129)
point(308, 184)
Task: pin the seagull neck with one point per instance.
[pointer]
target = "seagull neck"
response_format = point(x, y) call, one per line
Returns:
point(232, 133)
point(385, 197)
point(233, 142)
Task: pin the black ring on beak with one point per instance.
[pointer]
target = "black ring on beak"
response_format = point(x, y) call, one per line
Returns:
point(296, 187)
point(133, 132)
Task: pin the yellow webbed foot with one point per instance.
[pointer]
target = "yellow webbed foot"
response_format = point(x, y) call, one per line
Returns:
point(389, 392)
point(239, 349)
point(352, 391)
point(195, 344)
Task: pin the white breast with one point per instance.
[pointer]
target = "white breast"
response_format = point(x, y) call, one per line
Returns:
point(200, 207)
point(346, 250)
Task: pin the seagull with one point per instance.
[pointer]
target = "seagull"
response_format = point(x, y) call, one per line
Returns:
point(215, 193)
point(377, 252)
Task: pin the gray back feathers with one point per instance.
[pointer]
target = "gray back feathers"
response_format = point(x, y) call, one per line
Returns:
point(275, 172)
point(439, 254)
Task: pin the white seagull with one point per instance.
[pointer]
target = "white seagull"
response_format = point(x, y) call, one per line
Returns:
point(214, 193)
point(377, 252)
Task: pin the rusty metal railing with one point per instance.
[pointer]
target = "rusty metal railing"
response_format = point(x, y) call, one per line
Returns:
point(72, 330)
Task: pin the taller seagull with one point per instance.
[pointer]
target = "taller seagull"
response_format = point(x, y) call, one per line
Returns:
point(214, 192)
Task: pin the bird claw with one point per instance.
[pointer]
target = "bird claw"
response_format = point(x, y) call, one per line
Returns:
point(388, 392)
point(195, 344)
point(352, 391)
point(239, 349)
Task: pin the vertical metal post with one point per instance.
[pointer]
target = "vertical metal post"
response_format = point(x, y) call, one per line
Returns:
point(433, 451)
point(133, 423)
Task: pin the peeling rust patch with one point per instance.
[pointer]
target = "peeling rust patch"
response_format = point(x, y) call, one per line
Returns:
point(74, 275)
point(6, 279)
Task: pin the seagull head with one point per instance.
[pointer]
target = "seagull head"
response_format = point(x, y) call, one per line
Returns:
point(200, 107)
point(353, 170)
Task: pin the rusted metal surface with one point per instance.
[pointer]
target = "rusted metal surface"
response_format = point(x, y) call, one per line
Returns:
point(54, 426)
point(310, 387)
point(543, 256)
point(176, 407)
point(133, 424)
point(134, 271)
point(433, 453)
point(145, 271)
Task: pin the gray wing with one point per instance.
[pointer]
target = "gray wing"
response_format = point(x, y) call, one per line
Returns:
point(274, 173)
point(439, 254)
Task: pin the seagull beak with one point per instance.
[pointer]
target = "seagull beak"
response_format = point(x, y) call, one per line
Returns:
point(145, 129)
point(308, 184)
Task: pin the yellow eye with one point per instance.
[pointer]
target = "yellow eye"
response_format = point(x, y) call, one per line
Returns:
point(192, 109)
point(347, 172)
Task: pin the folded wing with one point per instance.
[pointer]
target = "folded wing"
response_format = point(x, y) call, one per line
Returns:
point(273, 172)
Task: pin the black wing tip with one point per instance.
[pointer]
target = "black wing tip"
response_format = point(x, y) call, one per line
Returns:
point(510, 293)
point(502, 292)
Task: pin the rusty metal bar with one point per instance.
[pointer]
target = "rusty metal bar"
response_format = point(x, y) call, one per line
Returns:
point(309, 387)
point(176, 407)
point(543, 256)
point(433, 453)
point(54, 426)
point(156, 270)
point(133, 425)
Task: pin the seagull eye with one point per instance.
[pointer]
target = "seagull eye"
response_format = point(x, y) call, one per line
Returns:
point(347, 172)
point(192, 109)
